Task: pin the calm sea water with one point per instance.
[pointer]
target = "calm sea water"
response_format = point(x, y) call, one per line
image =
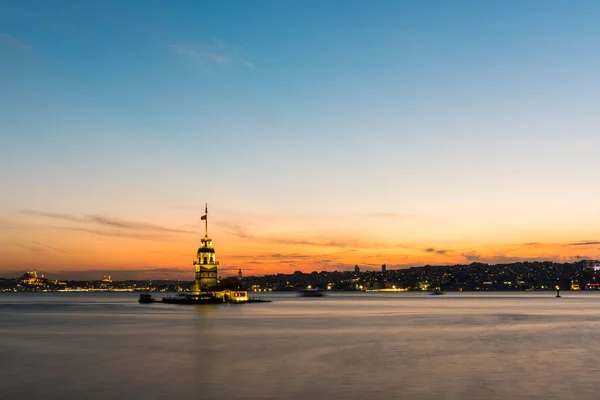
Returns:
point(345, 346)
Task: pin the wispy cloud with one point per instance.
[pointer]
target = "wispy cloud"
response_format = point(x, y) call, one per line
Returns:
point(19, 45)
point(106, 226)
point(117, 223)
point(213, 52)
point(437, 251)
point(65, 217)
point(336, 243)
point(273, 256)
point(51, 247)
point(472, 256)
point(241, 231)
point(36, 247)
point(410, 247)
point(289, 255)
point(585, 243)
point(113, 233)
point(28, 247)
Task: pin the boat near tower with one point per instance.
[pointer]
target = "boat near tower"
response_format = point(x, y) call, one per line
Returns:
point(208, 288)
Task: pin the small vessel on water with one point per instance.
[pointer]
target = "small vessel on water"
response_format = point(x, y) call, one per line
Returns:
point(436, 292)
point(146, 298)
point(206, 298)
point(312, 293)
point(230, 297)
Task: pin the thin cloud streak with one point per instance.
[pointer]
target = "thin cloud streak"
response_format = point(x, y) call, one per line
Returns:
point(52, 248)
point(45, 214)
point(269, 256)
point(214, 52)
point(585, 243)
point(114, 233)
point(133, 225)
point(15, 43)
point(442, 252)
point(102, 221)
point(302, 242)
point(240, 231)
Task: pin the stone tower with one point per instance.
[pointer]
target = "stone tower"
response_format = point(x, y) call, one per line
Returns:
point(205, 264)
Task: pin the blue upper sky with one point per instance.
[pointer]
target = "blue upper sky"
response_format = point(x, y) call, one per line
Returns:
point(311, 84)
point(298, 105)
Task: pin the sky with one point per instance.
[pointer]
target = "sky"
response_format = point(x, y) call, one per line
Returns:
point(322, 134)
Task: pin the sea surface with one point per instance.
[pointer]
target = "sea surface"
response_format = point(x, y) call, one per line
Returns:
point(344, 346)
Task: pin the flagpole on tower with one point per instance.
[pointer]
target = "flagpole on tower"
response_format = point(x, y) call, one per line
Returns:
point(206, 219)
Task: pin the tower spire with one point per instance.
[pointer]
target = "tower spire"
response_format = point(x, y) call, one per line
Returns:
point(205, 219)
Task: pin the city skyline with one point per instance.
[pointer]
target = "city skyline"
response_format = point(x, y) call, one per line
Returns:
point(322, 134)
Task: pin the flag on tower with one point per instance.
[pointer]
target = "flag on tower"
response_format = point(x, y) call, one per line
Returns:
point(203, 217)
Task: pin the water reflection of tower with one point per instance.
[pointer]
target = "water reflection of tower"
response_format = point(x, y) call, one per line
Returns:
point(205, 265)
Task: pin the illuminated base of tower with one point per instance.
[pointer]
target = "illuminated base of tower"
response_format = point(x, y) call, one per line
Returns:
point(203, 285)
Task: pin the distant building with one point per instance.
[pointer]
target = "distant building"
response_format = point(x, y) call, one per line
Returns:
point(240, 274)
point(383, 267)
point(356, 269)
point(32, 278)
point(106, 279)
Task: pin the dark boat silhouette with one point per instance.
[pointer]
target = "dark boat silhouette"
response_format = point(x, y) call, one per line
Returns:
point(146, 298)
point(210, 298)
point(207, 298)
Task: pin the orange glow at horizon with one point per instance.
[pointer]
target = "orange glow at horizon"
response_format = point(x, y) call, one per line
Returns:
point(62, 245)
